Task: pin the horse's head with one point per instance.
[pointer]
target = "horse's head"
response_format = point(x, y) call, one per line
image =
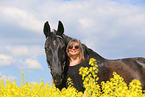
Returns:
point(55, 51)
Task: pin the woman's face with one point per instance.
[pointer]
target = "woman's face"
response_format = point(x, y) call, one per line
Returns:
point(74, 49)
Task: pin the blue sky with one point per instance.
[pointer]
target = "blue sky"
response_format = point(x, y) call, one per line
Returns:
point(113, 28)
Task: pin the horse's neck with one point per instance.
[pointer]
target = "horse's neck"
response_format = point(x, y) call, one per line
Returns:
point(95, 55)
point(89, 53)
point(92, 54)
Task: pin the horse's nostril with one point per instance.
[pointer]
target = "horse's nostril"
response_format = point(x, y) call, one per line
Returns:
point(58, 81)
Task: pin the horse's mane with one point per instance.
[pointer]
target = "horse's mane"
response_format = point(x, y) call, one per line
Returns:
point(66, 38)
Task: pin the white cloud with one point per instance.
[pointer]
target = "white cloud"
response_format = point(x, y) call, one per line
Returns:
point(31, 64)
point(9, 77)
point(5, 60)
point(86, 22)
point(21, 56)
point(18, 50)
point(25, 51)
point(22, 18)
point(101, 24)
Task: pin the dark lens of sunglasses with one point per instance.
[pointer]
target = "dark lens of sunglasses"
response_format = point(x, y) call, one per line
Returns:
point(70, 47)
point(76, 47)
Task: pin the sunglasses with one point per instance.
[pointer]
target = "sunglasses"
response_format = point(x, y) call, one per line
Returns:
point(76, 47)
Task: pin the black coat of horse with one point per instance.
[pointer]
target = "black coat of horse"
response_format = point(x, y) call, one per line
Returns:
point(55, 48)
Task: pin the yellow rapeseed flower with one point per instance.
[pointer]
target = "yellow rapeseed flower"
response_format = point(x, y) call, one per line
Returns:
point(115, 87)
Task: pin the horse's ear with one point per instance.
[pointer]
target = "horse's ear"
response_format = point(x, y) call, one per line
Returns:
point(46, 29)
point(60, 29)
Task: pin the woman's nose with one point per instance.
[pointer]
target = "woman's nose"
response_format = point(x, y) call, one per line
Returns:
point(74, 47)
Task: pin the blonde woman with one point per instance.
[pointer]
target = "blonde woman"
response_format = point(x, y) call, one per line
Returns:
point(76, 60)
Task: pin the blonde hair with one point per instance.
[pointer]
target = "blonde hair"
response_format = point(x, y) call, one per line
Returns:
point(81, 54)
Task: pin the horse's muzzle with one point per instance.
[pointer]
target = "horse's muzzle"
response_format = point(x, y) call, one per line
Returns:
point(57, 82)
point(58, 79)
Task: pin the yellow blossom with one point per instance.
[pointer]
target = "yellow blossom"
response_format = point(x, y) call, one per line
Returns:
point(115, 87)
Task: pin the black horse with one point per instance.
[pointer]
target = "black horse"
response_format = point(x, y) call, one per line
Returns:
point(55, 48)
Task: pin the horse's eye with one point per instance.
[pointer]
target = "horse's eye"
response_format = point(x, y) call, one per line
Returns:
point(46, 49)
